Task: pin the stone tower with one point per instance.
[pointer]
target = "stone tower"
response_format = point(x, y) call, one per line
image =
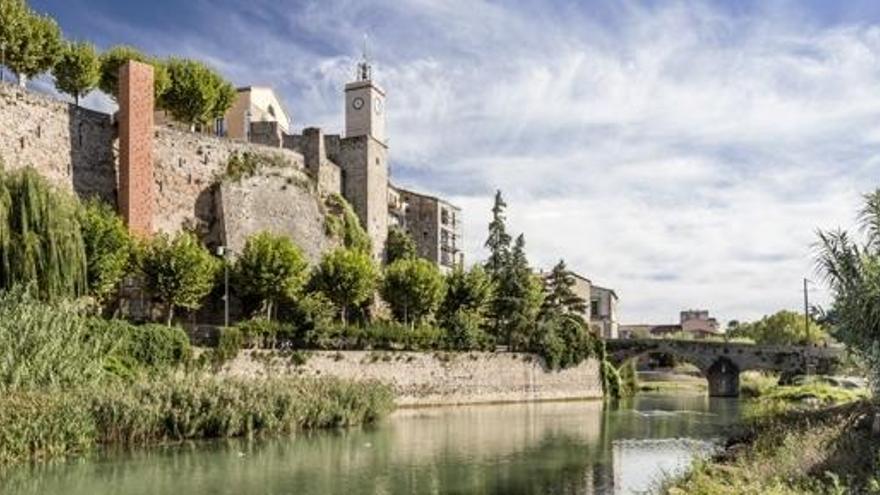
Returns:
point(363, 156)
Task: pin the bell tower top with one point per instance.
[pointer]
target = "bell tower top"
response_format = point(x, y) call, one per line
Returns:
point(364, 103)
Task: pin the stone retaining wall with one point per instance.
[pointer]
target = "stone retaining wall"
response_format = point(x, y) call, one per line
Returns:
point(434, 378)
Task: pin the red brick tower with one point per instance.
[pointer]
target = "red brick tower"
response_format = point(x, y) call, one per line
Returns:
point(136, 147)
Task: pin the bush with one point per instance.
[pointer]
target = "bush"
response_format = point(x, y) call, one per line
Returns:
point(146, 348)
point(464, 332)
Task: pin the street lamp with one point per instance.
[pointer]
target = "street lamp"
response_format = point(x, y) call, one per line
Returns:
point(3, 61)
point(223, 251)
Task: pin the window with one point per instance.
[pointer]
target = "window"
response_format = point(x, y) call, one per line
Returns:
point(594, 307)
point(220, 127)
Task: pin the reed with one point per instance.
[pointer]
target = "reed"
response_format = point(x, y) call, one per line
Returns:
point(41, 425)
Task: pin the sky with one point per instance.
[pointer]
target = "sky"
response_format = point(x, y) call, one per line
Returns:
point(681, 153)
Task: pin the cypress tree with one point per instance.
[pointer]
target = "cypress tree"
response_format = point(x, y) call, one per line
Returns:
point(498, 242)
point(559, 297)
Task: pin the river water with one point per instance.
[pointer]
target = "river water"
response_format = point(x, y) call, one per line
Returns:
point(552, 447)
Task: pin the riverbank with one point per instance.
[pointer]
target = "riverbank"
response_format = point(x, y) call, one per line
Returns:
point(794, 442)
point(431, 378)
point(38, 425)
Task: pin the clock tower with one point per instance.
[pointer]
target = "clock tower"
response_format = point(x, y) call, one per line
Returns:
point(365, 106)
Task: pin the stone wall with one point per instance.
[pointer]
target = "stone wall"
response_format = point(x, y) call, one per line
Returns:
point(72, 147)
point(280, 201)
point(188, 166)
point(422, 378)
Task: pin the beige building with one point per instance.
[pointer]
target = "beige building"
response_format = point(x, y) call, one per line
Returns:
point(252, 104)
point(695, 322)
point(434, 225)
point(603, 311)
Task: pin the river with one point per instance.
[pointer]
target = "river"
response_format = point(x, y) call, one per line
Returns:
point(551, 447)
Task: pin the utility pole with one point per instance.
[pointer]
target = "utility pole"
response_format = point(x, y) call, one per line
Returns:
point(806, 312)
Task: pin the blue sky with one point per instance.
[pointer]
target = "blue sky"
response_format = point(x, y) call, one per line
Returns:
point(681, 152)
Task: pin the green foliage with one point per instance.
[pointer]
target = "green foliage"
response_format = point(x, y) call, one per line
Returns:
point(108, 248)
point(342, 222)
point(781, 328)
point(114, 58)
point(562, 340)
point(196, 94)
point(77, 70)
point(243, 165)
point(414, 289)
point(559, 295)
point(270, 269)
point(47, 344)
point(465, 306)
point(45, 424)
point(399, 245)
point(40, 238)
point(464, 331)
point(228, 346)
point(498, 242)
point(179, 271)
point(33, 41)
point(852, 270)
point(347, 277)
point(312, 315)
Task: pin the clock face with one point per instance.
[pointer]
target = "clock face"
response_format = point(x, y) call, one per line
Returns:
point(357, 103)
point(377, 106)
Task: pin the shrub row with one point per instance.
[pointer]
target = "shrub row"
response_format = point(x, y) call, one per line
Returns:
point(36, 425)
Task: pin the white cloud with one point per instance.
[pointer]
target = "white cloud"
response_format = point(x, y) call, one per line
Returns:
point(679, 154)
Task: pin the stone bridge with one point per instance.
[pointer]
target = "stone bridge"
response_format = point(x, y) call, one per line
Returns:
point(721, 362)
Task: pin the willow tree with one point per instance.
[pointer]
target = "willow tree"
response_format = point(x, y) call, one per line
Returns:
point(40, 239)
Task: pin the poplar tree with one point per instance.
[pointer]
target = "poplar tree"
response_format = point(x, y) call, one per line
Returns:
point(498, 242)
point(78, 70)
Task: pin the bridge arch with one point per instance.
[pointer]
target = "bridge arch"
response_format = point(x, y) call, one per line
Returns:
point(721, 362)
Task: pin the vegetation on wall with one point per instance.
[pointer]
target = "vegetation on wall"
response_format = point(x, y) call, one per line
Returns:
point(342, 222)
point(244, 165)
point(78, 70)
point(40, 238)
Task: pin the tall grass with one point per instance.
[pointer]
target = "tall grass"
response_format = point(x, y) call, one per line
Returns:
point(40, 425)
point(43, 346)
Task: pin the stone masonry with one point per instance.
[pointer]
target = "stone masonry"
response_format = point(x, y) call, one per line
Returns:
point(136, 147)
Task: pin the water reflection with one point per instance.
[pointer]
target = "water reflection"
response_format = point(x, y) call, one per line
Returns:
point(563, 447)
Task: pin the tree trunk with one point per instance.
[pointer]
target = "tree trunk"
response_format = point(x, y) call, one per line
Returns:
point(22, 80)
point(170, 314)
point(344, 316)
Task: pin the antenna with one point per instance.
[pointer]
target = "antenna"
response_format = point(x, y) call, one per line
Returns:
point(364, 70)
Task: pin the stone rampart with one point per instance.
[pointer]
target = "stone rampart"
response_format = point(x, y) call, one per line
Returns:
point(424, 378)
point(72, 147)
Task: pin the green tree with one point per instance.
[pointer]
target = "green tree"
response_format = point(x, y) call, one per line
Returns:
point(559, 295)
point(414, 289)
point(114, 58)
point(347, 277)
point(33, 41)
point(852, 270)
point(196, 94)
point(399, 245)
point(271, 268)
point(498, 241)
point(40, 238)
point(78, 70)
point(781, 328)
point(108, 247)
point(462, 315)
point(179, 271)
point(518, 299)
